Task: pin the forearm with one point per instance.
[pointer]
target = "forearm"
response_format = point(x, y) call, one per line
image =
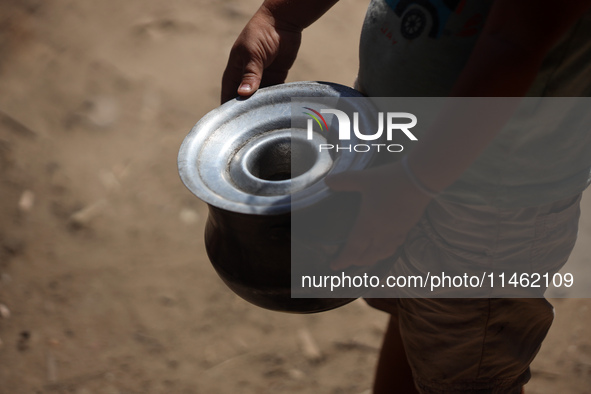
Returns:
point(295, 14)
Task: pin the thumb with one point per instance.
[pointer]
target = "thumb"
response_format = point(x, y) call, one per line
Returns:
point(345, 181)
point(251, 78)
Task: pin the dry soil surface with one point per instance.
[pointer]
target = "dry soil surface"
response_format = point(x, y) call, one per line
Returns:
point(104, 284)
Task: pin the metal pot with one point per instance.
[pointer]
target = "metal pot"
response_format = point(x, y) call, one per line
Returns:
point(271, 216)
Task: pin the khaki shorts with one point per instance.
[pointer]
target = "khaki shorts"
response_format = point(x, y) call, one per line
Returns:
point(481, 345)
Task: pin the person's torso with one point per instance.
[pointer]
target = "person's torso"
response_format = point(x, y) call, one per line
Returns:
point(419, 49)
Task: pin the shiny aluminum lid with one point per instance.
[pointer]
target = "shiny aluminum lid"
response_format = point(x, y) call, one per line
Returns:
point(247, 156)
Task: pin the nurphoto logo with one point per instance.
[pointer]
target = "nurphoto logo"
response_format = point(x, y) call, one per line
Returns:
point(392, 125)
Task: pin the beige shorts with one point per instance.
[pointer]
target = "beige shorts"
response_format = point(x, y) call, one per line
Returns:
point(481, 345)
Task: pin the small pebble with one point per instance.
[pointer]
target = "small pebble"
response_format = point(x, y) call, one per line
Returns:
point(26, 202)
point(188, 216)
point(85, 215)
point(296, 374)
point(4, 311)
point(308, 345)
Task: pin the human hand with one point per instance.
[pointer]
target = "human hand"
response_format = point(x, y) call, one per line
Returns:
point(390, 206)
point(261, 56)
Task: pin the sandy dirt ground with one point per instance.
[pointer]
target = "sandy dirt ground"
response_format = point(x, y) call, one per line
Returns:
point(104, 283)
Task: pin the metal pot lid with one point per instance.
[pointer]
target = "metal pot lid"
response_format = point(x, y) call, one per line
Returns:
point(247, 156)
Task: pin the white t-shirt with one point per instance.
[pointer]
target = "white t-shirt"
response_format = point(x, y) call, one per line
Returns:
point(419, 48)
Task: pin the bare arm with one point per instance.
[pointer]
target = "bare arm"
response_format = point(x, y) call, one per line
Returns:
point(267, 47)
